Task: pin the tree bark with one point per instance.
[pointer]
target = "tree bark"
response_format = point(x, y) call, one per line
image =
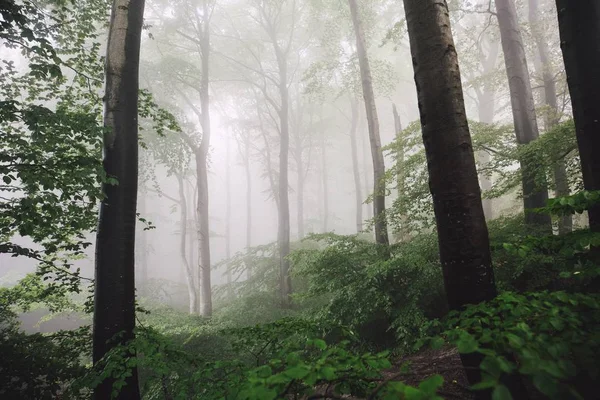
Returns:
point(523, 108)
point(355, 165)
point(114, 296)
point(381, 234)
point(551, 117)
point(462, 230)
point(579, 28)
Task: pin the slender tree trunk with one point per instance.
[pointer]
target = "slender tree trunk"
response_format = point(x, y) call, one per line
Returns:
point(228, 218)
point(523, 109)
point(114, 296)
point(486, 99)
point(284, 205)
point(203, 230)
point(325, 183)
point(579, 25)
point(142, 245)
point(381, 234)
point(189, 271)
point(551, 117)
point(366, 169)
point(202, 170)
point(300, 185)
point(400, 173)
point(355, 165)
point(462, 230)
point(248, 204)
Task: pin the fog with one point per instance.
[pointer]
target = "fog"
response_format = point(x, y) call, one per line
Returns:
point(322, 80)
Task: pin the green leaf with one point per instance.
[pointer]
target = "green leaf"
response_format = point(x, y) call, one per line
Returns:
point(432, 384)
point(501, 392)
point(466, 343)
point(297, 372)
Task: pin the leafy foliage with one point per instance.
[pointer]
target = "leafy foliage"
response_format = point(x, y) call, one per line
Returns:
point(553, 336)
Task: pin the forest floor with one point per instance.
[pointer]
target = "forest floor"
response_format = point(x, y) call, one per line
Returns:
point(445, 362)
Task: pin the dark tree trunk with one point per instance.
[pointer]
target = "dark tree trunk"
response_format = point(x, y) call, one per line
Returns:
point(461, 226)
point(579, 25)
point(551, 117)
point(355, 165)
point(462, 230)
point(523, 109)
point(114, 297)
point(381, 234)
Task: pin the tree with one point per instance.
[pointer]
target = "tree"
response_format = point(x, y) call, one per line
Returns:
point(543, 67)
point(462, 231)
point(358, 199)
point(381, 235)
point(200, 26)
point(535, 195)
point(114, 300)
point(579, 26)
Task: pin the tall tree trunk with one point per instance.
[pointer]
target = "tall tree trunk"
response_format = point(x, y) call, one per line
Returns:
point(523, 108)
point(381, 234)
point(300, 184)
point(284, 204)
point(228, 218)
point(142, 246)
point(187, 266)
point(579, 26)
point(355, 165)
point(551, 117)
point(400, 173)
point(202, 171)
point(462, 231)
point(248, 203)
point(325, 182)
point(366, 168)
point(114, 296)
point(486, 99)
point(203, 230)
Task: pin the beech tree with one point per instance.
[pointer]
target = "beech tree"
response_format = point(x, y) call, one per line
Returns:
point(579, 26)
point(544, 69)
point(535, 195)
point(114, 296)
point(462, 231)
point(381, 234)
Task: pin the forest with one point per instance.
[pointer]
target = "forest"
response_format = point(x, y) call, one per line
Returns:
point(299, 199)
